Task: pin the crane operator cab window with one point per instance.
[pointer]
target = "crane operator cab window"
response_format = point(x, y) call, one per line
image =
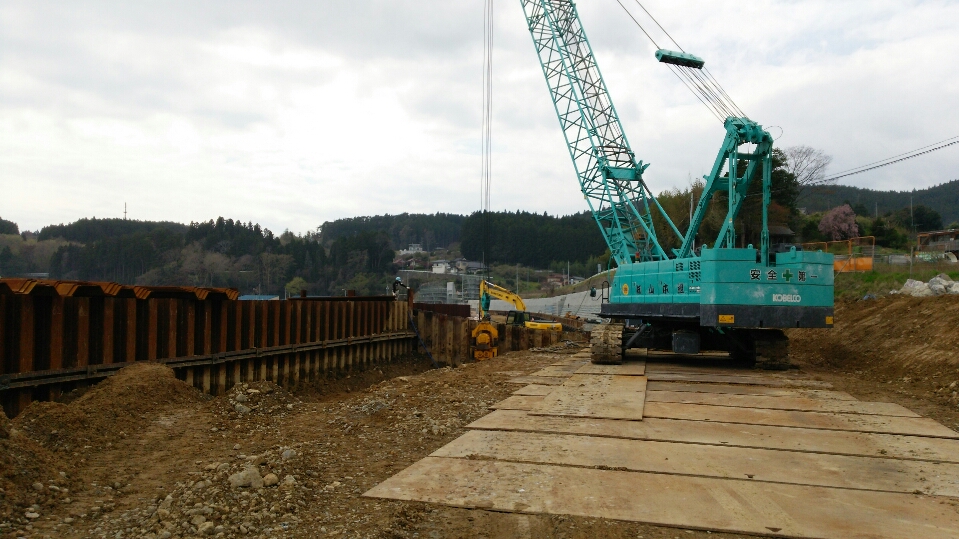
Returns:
point(516, 318)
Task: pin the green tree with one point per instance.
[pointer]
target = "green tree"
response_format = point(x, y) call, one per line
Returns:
point(6, 261)
point(886, 235)
point(860, 209)
point(920, 217)
point(294, 287)
point(8, 227)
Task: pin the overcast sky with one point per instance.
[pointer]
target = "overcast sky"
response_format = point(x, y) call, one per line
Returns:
point(294, 113)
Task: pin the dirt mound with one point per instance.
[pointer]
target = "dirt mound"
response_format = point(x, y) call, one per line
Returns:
point(36, 448)
point(29, 474)
point(113, 408)
point(891, 338)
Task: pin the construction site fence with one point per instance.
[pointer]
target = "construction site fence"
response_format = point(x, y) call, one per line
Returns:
point(449, 338)
point(50, 344)
point(851, 255)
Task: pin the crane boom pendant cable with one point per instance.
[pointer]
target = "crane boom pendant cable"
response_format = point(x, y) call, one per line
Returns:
point(486, 135)
point(691, 71)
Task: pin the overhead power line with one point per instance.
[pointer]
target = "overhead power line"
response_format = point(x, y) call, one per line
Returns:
point(892, 160)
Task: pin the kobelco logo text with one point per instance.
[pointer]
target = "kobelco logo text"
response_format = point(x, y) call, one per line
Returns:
point(787, 298)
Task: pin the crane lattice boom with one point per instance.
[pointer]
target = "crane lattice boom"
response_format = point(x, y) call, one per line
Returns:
point(609, 174)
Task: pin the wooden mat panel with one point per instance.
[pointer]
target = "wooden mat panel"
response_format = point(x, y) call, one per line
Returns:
point(734, 435)
point(768, 509)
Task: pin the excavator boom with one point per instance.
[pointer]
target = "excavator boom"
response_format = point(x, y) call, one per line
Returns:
point(519, 317)
point(489, 290)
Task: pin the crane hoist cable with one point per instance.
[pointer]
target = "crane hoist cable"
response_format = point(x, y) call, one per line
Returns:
point(697, 79)
point(486, 136)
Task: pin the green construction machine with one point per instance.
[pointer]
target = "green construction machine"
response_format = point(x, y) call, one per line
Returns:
point(714, 297)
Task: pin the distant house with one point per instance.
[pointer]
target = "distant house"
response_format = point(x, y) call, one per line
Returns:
point(780, 234)
point(468, 266)
point(442, 266)
point(940, 240)
point(412, 249)
point(576, 280)
point(408, 263)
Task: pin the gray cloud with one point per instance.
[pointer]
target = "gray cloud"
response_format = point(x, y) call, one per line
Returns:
point(294, 113)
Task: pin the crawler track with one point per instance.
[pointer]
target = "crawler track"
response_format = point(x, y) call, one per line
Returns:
point(607, 344)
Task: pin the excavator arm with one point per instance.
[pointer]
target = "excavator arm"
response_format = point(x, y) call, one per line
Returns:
point(489, 290)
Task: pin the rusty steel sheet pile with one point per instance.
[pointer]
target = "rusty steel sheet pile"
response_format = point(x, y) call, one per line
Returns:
point(57, 334)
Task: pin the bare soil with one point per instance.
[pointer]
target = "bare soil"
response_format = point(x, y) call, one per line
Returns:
point(895, 348)
point(144, 455)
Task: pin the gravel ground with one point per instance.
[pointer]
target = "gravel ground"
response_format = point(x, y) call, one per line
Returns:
point(161, 460)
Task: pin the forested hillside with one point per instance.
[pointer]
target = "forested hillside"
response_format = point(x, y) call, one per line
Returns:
point(535, 240)
point(223, 253)
point(429, 230)
point(944, 199)
point(89, 230)
point(357, 253)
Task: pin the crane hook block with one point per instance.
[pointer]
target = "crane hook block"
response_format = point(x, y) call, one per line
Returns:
point(680, 59)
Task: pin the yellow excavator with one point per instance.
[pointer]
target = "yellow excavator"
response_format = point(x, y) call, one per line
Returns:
point(485, 336)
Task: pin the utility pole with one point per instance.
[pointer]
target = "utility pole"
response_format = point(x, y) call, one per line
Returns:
point(124, 211)
point(912, 217)
point(517, 278)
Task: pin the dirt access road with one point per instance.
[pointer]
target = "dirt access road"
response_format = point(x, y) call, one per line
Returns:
point(144, 455)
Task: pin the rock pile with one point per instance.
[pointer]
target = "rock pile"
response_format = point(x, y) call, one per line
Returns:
point(260, 398)
point(939, 285)
point(252, 495)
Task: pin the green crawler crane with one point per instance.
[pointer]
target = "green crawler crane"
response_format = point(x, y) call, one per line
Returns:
point(721, 297)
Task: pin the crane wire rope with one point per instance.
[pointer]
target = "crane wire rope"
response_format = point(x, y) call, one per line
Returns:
point(700, 82)
point(709, 75)
point(725, 105)
point(486, 136)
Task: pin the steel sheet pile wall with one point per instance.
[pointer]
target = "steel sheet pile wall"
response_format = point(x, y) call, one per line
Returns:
point(55, 336)
point(449, 337)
